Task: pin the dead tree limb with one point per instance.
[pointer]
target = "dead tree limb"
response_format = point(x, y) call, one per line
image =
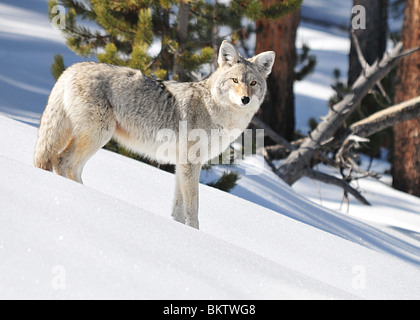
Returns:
point(286, 146)
point(378, 121)
point(387, 118)
point(277, 151)
point(299, 160)
point(364, 128)
point(383, 92)
point(359, 52)
point(272, 134)
point(323, 177)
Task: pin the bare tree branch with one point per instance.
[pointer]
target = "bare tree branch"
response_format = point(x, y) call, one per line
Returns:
point(299, 160)
point(359, 52)
point(339, 91)
point(323, 177)
point(284, 147)
point(277, 151)
point(386, 118)
point(322, 138)
point(272, 134)
point(379, 121)
point(383, 92)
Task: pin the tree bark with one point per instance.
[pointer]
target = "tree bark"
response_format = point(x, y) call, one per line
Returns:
point(406, 168)
point(181, 33)
point(278, 110)
point(373, 39)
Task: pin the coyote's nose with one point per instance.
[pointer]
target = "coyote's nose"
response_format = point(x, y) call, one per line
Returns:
point(245, 100)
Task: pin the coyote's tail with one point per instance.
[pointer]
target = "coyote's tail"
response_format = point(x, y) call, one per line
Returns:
point(54, 132)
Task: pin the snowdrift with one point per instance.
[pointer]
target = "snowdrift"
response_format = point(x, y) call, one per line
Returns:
point(113, 238)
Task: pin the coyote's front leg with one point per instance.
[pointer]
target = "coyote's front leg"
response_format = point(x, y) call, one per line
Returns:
point(178, 211)
point(187, 180)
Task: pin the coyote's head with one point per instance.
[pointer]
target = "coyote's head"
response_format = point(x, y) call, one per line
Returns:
point(241, 82)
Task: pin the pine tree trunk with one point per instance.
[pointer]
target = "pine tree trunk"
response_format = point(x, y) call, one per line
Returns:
point(181, 33)
point(406, 169)
point(278, 111)
point(372, 40)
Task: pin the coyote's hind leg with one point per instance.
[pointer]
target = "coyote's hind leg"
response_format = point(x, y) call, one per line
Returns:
point(80, 148)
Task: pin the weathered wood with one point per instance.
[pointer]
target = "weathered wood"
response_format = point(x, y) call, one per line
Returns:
point(388, 117)
point(299, 160)
point(377, 122)
point(272, 134)
point(323, 177)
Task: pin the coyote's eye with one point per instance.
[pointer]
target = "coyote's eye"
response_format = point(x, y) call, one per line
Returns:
point(235, 80)
point(253, 83)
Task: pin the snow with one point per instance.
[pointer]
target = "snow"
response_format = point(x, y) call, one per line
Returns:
point(113, 237)
point(110, 249)
point(331, 12)
point(26, 35)
point(331, 48)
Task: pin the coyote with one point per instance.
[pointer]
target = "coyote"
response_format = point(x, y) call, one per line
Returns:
point(94, 102)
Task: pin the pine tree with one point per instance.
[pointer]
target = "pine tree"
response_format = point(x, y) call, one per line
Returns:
point(226, 182)
point(186, 29)
point(57, 67)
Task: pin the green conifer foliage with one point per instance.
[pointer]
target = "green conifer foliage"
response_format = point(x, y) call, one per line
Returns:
point(57, 67)
point(226, 182)
point(121, 31)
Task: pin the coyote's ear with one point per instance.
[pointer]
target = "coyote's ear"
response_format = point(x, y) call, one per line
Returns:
point(264, 62)
point(228, 55)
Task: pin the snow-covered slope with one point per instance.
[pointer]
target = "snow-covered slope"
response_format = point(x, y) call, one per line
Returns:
point(62, 240)
point(113, 238)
